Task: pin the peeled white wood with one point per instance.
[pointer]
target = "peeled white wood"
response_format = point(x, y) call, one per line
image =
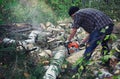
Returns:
point(55, 66)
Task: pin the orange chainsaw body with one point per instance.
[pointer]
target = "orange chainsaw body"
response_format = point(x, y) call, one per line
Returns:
point(73, 46)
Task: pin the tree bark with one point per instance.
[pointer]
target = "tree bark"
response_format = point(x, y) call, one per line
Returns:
point(55, 66)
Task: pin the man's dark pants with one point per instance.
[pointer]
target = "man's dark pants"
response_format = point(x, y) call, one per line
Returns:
point(96, 37)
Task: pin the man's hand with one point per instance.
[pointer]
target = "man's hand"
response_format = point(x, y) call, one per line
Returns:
point(66, 43)
point(84, 41)
point(82, 45)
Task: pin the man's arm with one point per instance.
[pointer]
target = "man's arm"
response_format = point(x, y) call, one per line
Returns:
point(1, 40)
point(72, 33)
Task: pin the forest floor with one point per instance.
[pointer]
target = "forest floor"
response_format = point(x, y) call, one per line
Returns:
point(93, 69)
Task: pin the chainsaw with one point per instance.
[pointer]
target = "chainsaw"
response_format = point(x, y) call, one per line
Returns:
point(73, 47)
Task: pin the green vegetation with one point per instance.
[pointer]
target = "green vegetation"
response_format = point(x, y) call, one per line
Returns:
point(111, 7)
point(39, 11)
point(16, 64)
point(25, 11)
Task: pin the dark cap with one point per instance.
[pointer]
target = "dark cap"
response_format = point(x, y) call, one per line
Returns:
point(72, 10)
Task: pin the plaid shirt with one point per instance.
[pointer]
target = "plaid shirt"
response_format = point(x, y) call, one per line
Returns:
point(90, 19)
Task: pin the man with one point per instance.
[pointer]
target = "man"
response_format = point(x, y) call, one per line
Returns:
point(97, 24)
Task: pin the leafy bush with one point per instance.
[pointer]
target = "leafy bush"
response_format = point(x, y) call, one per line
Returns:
point(25, 11)
point(18, 64)
point(111, 7)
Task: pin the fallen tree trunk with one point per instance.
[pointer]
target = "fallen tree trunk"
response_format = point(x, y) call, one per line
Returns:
point(23, 30)
point(55, 66)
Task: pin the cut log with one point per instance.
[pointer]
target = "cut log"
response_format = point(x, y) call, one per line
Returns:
point(75, 56)
point(23, 30)
point(55, 66)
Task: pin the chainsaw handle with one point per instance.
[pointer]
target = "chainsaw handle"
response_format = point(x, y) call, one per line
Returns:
point(66, 45)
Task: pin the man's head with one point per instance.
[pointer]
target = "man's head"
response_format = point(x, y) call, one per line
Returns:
point(72, 10)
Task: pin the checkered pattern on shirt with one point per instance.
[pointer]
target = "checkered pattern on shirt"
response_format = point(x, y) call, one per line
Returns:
point(90, 19)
